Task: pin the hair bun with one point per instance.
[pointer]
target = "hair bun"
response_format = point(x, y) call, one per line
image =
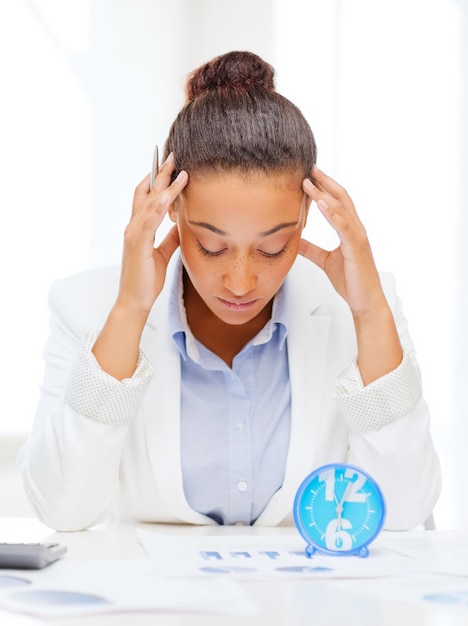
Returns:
point(234, 70)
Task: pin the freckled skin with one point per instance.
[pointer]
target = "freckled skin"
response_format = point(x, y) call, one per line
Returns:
point(238, 238)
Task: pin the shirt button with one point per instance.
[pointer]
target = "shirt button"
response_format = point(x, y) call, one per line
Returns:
point(242, 485)
point(240, 426)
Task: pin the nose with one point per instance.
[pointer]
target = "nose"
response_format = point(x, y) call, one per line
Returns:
point(240, 276)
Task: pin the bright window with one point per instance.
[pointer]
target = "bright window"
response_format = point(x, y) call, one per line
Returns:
point(44, 194)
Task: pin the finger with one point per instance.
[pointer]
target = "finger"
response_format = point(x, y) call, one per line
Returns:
point(143, 188)
point(163, 177)
point(325, 202)
point(340, 213)
point(332, 193)
point(158, 206)
point(314, 253)
point(171, 193)
point(328, 184)
point(310, 189)
point(141, 194)
point(155, 206)
point(344, 221)
point(169, 244)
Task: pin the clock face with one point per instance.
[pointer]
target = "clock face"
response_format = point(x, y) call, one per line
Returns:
point(339, 509)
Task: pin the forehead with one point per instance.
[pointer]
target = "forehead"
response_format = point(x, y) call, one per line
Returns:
point(219, 195)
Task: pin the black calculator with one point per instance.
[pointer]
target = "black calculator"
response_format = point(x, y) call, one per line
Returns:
point(29, 555)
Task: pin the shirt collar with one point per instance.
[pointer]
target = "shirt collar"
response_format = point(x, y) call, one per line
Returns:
point(183, 336)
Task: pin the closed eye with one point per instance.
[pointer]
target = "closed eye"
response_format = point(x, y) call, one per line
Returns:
point(272, 255)
point(206, 252)
point(268, 255)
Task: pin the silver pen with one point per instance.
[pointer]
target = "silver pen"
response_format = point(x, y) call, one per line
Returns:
point(154, 167)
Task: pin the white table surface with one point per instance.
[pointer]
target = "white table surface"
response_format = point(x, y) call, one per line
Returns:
point(280, 603)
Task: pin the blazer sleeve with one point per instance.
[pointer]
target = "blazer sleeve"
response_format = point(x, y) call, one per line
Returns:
point(70, 463)
point(389, 431)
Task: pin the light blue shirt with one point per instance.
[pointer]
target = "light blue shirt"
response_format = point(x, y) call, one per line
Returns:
point(235, 423)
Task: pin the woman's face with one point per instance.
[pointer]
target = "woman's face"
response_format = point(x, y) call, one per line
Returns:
point(239, 237)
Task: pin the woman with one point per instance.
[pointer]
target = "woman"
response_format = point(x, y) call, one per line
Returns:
point(201, 386)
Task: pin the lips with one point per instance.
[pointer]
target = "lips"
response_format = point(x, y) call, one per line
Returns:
point(237, 305)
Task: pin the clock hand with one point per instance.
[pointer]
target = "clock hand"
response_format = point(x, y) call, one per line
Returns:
point(339, 511)
point(339, 506)
point(345, 494)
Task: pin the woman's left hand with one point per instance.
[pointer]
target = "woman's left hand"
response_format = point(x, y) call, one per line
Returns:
point(350, 267)
point(351, 270)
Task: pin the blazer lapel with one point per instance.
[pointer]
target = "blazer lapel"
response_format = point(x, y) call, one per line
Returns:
point(161, 408)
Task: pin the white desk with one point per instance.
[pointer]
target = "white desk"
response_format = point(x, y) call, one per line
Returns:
point(285, 603)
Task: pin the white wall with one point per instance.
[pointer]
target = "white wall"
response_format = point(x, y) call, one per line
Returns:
point(44, 184)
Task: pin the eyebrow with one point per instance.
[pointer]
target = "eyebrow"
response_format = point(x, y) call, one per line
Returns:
point(223, 233)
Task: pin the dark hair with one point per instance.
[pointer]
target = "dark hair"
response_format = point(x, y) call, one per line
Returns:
point(234, 119)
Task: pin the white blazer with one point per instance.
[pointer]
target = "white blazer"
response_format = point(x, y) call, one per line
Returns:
point(76, 470)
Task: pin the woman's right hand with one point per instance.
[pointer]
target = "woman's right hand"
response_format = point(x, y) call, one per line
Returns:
point(143, 273)
point(144, 266)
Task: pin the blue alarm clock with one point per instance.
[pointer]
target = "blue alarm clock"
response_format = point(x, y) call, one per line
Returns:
point(339, 509)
